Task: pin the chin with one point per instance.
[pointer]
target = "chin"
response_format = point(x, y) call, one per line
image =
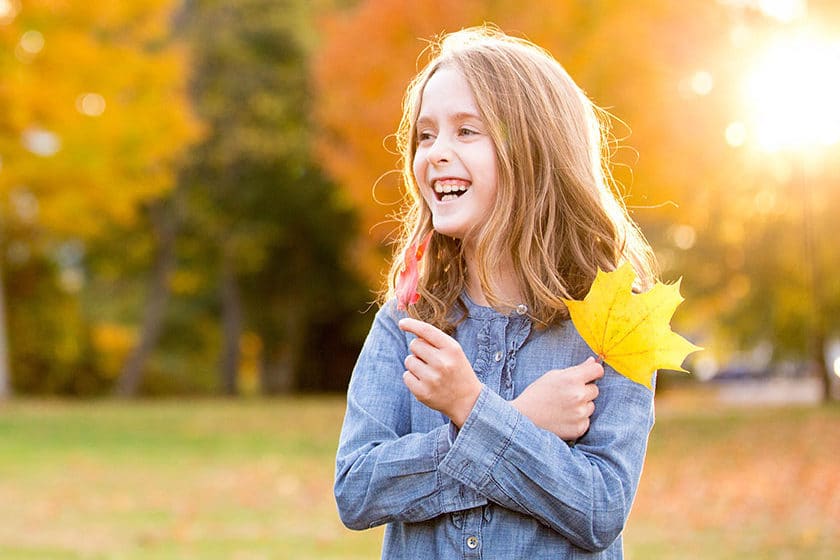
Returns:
point(453, 219)
point(449, 230)
point(453, 233)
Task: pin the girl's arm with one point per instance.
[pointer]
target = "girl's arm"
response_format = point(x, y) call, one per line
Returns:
point(509, 452)
point(583, 492)
point(385, 473)
point(440, 376)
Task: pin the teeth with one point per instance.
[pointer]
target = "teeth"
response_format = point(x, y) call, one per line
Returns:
point(450, 186)
point(446, 197)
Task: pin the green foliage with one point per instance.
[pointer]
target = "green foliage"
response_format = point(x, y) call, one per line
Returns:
point(255, 192)
point(49, 336)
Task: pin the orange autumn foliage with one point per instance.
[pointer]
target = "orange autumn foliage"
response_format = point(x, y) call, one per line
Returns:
point(369, 53)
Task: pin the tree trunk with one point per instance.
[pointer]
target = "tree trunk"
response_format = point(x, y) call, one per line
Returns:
point(5, 370)
point(164, 223)
point(276, 373)
point(280, 357)
point(813, 272)
point(823, 369)
point(231, 323)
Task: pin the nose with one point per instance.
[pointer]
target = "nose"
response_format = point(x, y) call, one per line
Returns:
point(440, 152)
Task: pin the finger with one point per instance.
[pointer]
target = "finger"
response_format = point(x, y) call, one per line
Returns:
point(582, 428)
point(417, 367)
point(414, 385)
point(422, 349)
point(592, 391)
point(429, 333)
point(590, 370)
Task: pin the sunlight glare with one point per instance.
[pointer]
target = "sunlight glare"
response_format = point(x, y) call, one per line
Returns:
point(783, 10)
point(792, 94)
point(837, 367)
point(736, 134)
point(8, 10)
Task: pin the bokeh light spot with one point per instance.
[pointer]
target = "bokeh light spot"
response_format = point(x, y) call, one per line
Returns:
point(8, 10)
point(32, 42)
point(736, 134)
point(90, 104)
point(25, 205)
point(41, 142)
point(702, 82)
point(684, 236)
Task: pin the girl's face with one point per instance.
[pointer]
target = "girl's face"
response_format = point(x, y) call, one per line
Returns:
point(455, 160)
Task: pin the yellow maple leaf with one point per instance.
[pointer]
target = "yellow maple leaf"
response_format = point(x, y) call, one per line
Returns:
point(631, 332)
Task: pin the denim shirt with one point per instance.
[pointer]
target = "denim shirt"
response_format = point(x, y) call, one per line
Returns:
point(500, 487)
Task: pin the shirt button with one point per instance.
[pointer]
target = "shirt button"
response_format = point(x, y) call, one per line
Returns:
point(498, 356)
point(521, 309)
point(472, 542)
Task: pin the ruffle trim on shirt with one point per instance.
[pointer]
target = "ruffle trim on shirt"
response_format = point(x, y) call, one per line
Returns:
point(484, 355)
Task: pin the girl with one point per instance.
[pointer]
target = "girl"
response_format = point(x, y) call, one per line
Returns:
point(472, 426)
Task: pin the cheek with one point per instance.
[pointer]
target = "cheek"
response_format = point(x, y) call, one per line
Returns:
point(419, 169)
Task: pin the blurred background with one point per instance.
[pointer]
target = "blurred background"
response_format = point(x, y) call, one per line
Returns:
point(196, 200)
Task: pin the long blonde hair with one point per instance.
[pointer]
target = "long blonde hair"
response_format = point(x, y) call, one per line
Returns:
point(557, 218)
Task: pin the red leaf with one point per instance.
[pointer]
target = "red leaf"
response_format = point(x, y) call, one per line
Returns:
point(406, 287)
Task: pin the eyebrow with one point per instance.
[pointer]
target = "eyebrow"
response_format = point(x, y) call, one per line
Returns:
point(459, 116)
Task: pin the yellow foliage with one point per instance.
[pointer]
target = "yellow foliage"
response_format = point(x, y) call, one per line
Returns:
point(250, 348)
point(94, 111)
point(185, 282)
point(113, 342)
point(631, 332)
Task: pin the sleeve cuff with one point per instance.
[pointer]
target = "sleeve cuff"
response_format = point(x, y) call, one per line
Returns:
point(481, 441)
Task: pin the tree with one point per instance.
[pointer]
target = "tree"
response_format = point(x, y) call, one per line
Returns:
point(83, 148)
point(360, 83)
point(670, 74)
point(255, 196)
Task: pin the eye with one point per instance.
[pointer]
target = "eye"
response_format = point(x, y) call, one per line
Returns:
point(423, 136)
point(464, 131)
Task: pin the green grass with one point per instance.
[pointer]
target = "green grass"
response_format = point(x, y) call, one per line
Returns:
point(172, 479)
point(252, 479)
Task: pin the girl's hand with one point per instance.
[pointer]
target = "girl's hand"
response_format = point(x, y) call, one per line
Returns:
point(439, 374)
point(561, 401)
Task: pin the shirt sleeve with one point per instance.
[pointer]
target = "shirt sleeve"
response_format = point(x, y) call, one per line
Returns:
point(384, 472)
point(583, 492)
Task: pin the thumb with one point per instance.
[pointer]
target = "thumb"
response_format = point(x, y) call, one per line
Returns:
point(590, 370)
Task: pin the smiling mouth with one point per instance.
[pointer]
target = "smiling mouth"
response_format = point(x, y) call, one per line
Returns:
point(450, 189)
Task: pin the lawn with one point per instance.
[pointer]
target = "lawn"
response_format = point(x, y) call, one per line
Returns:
point(251, 479)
